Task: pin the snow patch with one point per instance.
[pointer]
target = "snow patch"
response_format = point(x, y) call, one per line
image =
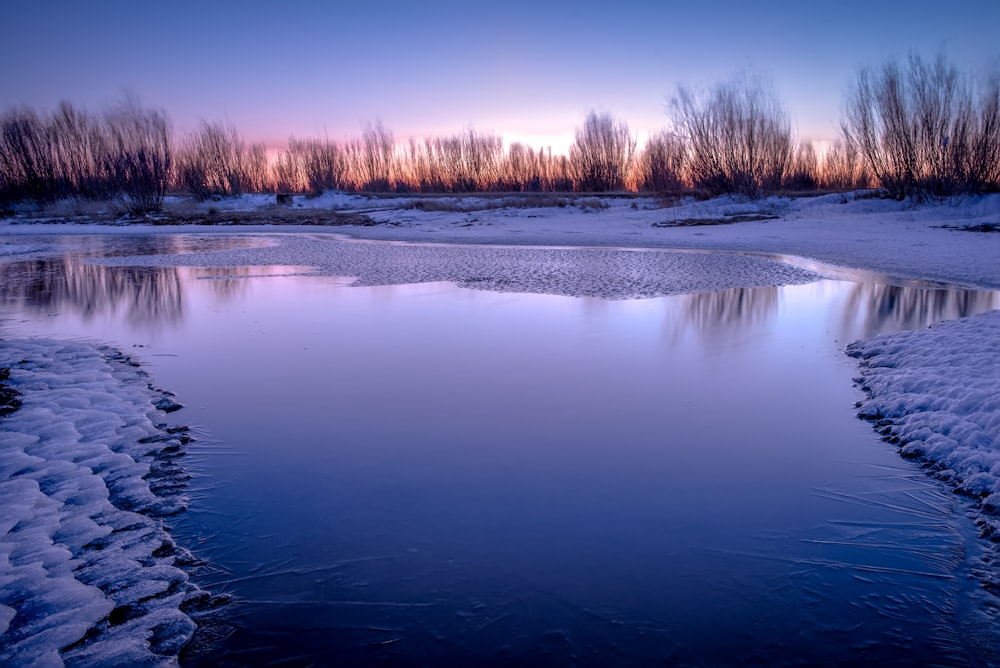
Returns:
point(936, 393)
point(88, 572)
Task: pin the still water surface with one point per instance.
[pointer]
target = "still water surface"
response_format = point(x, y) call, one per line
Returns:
point(432, 475)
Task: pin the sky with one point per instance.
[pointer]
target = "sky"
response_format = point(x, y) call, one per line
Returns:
point(528, 70)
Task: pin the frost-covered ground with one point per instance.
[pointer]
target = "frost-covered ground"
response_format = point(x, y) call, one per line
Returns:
point(935, 390)
point(88, 573)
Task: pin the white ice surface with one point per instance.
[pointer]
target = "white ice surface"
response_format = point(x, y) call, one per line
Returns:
point(87, 572)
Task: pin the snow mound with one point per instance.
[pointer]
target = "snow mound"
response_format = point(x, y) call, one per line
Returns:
point(88, 573)
point(936, 393)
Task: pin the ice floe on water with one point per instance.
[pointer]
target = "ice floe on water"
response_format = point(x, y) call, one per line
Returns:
point(88, 573)
point(609, 273)
point(936, 393)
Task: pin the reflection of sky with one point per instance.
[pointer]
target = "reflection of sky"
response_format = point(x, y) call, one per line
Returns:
point(482, 454)
point(529, 70)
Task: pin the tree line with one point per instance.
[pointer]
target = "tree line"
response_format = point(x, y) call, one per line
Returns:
point(915, 129)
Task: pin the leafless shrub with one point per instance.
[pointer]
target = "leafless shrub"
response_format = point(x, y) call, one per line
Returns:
point(924, 130)
point(287, 173)
point(466, 162)
point(257, 173)
point(738, 134)
point(374, 158)
point(322, 165)
point(602, 154)
point(520, 171)
point(842, 168)
point(27, 168)
point(803, 171)
point(979, 165)
point(214, 162)
point(123, 153)
point(662, 164)
point(529, 170)
point(81, 152)
point(139, 156)
point(475, 160)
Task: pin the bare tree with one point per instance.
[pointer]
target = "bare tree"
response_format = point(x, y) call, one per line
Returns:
point(738, 134)
point(602, 154)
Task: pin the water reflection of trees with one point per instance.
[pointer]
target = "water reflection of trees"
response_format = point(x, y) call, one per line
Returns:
point(720, 314)
point(126, 245)
point(225, 283)
point(146, 295)
point(870, 309)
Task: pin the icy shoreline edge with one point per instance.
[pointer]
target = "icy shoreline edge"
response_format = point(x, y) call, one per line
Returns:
point(935, 393)
point(88, 472)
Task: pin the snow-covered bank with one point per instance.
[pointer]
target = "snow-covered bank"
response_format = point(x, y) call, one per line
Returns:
point(936, 392)
point(88, 573)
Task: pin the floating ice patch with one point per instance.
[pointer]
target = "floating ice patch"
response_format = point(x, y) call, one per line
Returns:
point(579, 272)
point(936, 393)
point(88, 573)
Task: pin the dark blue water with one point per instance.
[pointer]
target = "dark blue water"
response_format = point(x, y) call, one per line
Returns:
point(431, 475)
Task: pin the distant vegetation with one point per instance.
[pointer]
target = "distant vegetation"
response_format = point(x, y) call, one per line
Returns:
point(915, 130)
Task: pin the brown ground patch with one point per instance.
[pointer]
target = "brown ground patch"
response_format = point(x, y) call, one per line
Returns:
point(982, 227)
point(274, 215)
point(725, 220)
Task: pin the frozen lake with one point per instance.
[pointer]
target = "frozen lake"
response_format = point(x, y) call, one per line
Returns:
point(432, 474)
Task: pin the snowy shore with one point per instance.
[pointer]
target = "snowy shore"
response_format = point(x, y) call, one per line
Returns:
point(936, 393)
point(88, 573)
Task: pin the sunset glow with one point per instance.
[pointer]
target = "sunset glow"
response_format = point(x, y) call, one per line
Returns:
point(528, 72)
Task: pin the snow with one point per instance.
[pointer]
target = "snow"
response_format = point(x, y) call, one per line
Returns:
point(936, 392)
point(88, 572)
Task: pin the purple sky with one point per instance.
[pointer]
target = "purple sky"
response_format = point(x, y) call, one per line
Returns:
point(527, 70)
